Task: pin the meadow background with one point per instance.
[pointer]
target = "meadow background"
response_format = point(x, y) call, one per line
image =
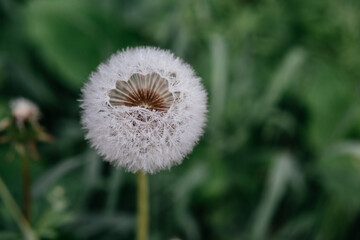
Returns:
point(280, 158)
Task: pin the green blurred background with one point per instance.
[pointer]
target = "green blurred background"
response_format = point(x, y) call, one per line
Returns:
point(280, 158)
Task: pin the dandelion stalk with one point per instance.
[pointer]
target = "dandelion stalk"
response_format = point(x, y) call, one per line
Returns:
point(11, 205)
point(142, 230)
point(26, 185)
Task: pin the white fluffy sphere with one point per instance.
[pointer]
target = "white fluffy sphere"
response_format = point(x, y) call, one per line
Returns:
point(144, 109)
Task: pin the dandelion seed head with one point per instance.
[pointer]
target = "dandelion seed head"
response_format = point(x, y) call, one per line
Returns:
point(144, 109)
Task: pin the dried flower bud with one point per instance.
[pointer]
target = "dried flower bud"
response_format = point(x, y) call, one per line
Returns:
point(144, 109)
point(23, 110)
point(22, 129)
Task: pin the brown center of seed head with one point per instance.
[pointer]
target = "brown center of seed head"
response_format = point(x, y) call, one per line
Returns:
point(149, 91)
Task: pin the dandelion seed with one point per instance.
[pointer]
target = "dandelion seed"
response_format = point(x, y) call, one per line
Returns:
point(144, 109)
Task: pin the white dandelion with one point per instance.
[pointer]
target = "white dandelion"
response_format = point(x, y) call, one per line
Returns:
point(144, 109)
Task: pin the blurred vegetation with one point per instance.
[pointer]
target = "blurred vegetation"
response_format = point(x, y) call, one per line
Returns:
point(281, 155)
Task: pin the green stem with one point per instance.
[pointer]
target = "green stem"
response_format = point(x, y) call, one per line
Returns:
point(142, 230)
point(11, 205)
point(26, 187)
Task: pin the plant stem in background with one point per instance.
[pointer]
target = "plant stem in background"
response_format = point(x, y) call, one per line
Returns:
point(26, 185)
point(13, 208)
point(142, 229)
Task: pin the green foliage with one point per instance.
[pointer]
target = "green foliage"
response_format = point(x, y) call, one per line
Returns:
point(94, 33)
point(280, 156)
